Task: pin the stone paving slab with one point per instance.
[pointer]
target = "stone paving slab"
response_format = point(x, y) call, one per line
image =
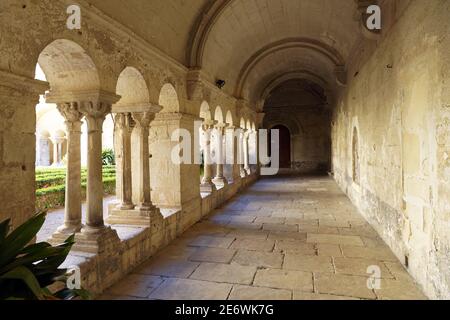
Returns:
point(229, 273)
point(276, 241)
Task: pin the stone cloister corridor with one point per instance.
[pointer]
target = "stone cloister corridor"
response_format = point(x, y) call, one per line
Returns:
point(284, 238)
point(225, 149)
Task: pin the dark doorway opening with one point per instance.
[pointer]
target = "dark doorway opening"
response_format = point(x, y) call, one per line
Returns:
point(285, 146)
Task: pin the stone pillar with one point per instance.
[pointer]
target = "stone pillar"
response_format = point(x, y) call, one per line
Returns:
point(242, 153)
point(220, 180)
point(253, 151)
point(175, 185)
point(142, 186)
point(233, 141)
point(18, 98)
point(125, 126)
point(95, 113)
point(246, 152)
point(207, 186)
point(72, 215)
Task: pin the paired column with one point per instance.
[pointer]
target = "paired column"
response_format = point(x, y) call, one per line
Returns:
point(207, 185)
point(247, 152)
point(242, 153)
point(124, 124)
point(143, 120)
point(133, 126)
point(219, 179)
point(57, 150)
point(72, 213)
point(233, 151)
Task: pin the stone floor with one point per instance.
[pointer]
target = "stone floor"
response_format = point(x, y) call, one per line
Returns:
point(55, 218)
point(284, 238)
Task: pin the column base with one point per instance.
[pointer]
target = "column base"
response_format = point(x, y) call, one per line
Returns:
point(97, 240)
point(62, 233)
point(125, 206)
point(208, 187)
point(138, 217)
point(220, 181)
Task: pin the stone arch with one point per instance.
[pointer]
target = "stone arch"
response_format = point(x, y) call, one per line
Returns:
point(68, 67)
point(315, 46)
point(356, 174)
point(200, 32)
point(205, 112)
point(168, 99)
point(265, 90)
point(218, 115)
point(132, 87)
point(229, 118)
point(242, 123)
point(272, 120)
point(44, 150)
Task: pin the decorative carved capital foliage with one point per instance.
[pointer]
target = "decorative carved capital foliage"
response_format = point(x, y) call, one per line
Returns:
point(143, 119)
point(95, 113)
point(70, 111)
point(124, 121)
point(96, 109)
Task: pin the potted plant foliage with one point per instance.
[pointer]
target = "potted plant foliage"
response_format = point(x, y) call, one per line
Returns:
point(27, 269)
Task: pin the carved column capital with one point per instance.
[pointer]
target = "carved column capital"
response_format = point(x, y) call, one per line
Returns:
point(95, 113)
point(143, 119)
point(70, 111)
point(124, 121)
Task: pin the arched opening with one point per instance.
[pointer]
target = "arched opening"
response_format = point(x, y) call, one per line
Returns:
point(168, 99)
point(205, 116)
point(131, 141)
point(44, 149)
point(285, 146)
point(229, 147)
point(62, 139)
point(355, 157)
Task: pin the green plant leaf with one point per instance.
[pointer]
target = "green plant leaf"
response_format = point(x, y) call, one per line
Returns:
point(4, 229)
point(20, 237)
point(23, 274)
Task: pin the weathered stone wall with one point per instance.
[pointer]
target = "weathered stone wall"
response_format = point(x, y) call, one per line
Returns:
point(398, 100)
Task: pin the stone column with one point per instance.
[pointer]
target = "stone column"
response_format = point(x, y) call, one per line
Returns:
point(207, 186)
point(72, 215)
point(242, 153)
point(139, 159)
point(219, 179)
point(57, 151)
point(95, 113)
point(246, 152)
point(233, 152)
point(125, 126)
point(143, 120)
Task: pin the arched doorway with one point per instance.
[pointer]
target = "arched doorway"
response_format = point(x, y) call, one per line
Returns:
point(285, 146)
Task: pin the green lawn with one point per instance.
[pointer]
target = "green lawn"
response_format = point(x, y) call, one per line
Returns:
point(50, 185)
